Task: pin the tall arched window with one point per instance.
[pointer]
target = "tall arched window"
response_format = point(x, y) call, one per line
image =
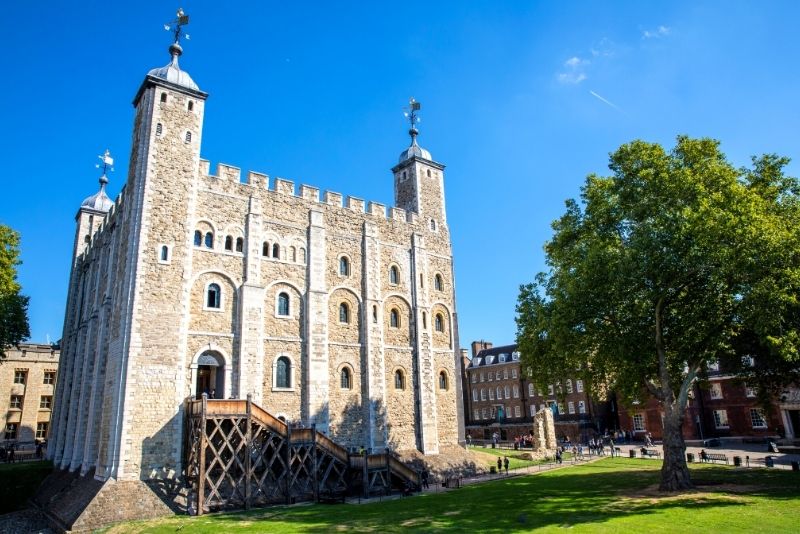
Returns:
point(283, 373)
point(209, 240)
point(228, 242)
point(283, 304)
point(438, 283)
point(188, 137)
point(159, 129)
point(345, 379)
point(239, 244)
point(394, 318)
point(499, 393)
point(198, 238)
point(344, 313)
point(394, 275)
point(439, 323)
point(213, 296)
point(163, 97)
point(344, 266)
point(399, 380)
point(293, 254)
point(442, 380)
point(276, 251)
point(164, 253)
point(265, 249)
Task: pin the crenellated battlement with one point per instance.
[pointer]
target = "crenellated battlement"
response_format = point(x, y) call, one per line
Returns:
point(233, 176)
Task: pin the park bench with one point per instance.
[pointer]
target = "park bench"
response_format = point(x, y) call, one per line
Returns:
point(650, 453)
point(332, 496)
point(712, 457)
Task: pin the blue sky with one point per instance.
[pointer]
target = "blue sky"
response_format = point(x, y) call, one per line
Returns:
point(521, 100)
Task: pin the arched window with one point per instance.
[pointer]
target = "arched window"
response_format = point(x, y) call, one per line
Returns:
point(209, 240)
point(213, 296)
point(276, 251)
point(345, 380)
point(228, 243)
point(442, 380)
point(344, 313)
point(198, 238)
point(499, 393)
point(283, 373)
point(302, 255)
point(265, 249)
point(438, 283)
point(508, 392)
point(569, 386)
point(374, 314)
point(159, 129)
point(399, 380)
point(433, 225)
point(191, 105)
point(188, 137)
point(344, 266)
point(439, 323)
point(530, 390)
point(475, 395)
point(394, 318)
point(164, 253)
point(163, 97)
point(293, 254)
point(283, 304)
point(239, 244)
point(429, 173)
point(394, 275)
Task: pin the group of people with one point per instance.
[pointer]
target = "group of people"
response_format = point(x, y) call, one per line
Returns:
point(8, 452)
point(502, 462)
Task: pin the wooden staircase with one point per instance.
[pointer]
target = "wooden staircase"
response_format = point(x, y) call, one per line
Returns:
point(238, 455)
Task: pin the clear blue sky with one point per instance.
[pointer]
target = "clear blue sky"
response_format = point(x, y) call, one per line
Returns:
point(521, 100)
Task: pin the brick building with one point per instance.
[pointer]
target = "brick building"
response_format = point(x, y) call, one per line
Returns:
point(499, 399)
point(722, 407)
point(27, 383)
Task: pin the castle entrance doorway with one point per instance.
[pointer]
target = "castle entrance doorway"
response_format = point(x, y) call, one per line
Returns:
point(210, 376)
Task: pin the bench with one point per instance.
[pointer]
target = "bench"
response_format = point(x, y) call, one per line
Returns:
point(330, 496)
point(711, 457)
point(650, 453)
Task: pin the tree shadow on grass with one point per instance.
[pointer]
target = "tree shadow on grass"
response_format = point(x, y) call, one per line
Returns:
point(591, 494)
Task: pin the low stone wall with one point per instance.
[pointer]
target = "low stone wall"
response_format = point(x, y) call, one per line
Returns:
point(452, 461)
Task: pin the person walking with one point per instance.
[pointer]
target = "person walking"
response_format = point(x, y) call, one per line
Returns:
point(505, 463)
point(499, 466)
point(425, 478)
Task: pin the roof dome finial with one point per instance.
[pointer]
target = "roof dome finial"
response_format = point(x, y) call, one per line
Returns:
point(172, 72)
point(414, 119)
point(100, 200)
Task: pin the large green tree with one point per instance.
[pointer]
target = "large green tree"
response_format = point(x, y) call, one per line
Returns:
point(673, 261)
point(13, 306)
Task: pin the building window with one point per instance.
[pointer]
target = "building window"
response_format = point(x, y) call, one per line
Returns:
point(374, 314)
point(164, 253)
point(473, 378)
point(213, 296)
point(491, 393)
point(11, 431)
point(394, 318)
point(265, 249)
point(439, 322)
point(581, 407)
point(533, 409)
point(163, 97)
point(302, 255)
point(276, 251)
point(475, 395)
point(749, 391)
point(16, 402)
point(345, 379)
point(159, 129)
point(399, 380)
point(757, 416)
point(569, 386)
point(209, 240)
point(713, 366)
point(516, 391)
point(293, 254)
point(531, 391)
point(505, 373)
point(483, 394)
point(438, 283)
point(228, 243)
point(239, 244)
point(20, 376)
point(497, 375)
point(491, 377)
point(476, 414)
point(560, 407)
point(507, 391)
point(49, 377)
point(721, 418)
point(483, 413)
point(433, 225)
point(344, 266)
point(344, 313)
point(394, 275)
point(46, 402)
point(41, 430)
point(550, 390)
point(517, 412)
point(191, 105)
point(198, 238)
point(188, 137)
point(514, 373)
point(579, 386)
point(483, 377)
point(283, 304)
point(424, 321)
point(571, 407)
point(283, 373)
point(716, 390)
point(638, 422)
point(442, 380)
point(748, 361)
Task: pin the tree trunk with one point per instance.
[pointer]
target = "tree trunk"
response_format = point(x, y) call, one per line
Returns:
point(674, 471)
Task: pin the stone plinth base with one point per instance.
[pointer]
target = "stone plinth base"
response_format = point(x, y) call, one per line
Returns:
point(74, 503)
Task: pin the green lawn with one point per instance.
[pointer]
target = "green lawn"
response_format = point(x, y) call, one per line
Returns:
point(19, 481)
point(515, 460)
point(608, 496)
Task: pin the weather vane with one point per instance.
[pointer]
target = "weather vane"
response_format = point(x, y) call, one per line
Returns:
point(411, 112)
point(177, 25)
point(107, 165)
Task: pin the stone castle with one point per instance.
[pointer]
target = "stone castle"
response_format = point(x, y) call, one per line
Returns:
point(327, 310)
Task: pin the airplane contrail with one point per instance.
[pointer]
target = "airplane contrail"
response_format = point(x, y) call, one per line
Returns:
point(601, 99)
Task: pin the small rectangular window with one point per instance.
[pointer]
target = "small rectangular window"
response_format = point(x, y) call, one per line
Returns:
point(41, 430)
point(638, 422)
point(579, 386)
point(517, 411)
point(571, 407)
point(11, 431)
point(20, 376)
point(46, 402)
point(16, 402)
point(721, 418)
point(716, 390)
point(49, 377)
point(757, 416)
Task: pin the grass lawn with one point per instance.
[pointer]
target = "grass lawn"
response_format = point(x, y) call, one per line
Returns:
point(608, 496)
point(19, 481)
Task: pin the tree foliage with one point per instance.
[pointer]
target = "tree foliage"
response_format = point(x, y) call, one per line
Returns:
point(675, 260)
point(13, 306)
